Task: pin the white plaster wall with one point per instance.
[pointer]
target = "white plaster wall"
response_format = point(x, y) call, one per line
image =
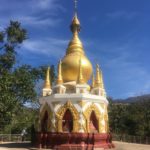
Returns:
point(61, 99)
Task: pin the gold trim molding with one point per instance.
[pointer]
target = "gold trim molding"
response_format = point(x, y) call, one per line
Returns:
point(82, 103)
point(50, 114)
point(87, 114)
point(60, 113)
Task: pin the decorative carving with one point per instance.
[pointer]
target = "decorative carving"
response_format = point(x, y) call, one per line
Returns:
point(87, 114)
point(84, 126)
point(103, 128)
point(50, 114)
point(102, 105)
point(55, 103)
point(91, 108)
point(82, 103)
point(106, 120)
point(60, 113)
point(106, 116)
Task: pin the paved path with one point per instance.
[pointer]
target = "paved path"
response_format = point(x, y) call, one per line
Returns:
point(130, 146)
point(119, 146)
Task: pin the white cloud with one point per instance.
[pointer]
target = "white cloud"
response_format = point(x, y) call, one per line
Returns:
point(54, 47)
point(121, 14)
point(1, 28)
point(35, 21)
point(45, 4)
point(31, 13)
point(124, 70)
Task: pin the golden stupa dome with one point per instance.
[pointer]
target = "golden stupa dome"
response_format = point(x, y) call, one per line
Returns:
point(75, 54)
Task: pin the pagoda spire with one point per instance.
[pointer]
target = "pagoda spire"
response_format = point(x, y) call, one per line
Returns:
point(75, 52)
point(47, 84)
point(59, 77)
point(80, 77)
point(75, 44)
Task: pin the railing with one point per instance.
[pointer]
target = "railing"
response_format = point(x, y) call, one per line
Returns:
point(131, 139)
point(10, 137)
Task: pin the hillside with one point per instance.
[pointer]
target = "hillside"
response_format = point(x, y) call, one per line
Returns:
point(135, 99)
point(130, 116)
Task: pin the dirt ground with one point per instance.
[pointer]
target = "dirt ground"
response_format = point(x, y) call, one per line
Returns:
point(119, 146)
point(130, 146)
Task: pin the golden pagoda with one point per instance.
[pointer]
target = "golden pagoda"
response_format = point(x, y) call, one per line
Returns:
point(73, 114)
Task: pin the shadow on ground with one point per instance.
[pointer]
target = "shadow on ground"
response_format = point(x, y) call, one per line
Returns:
point(21, 145)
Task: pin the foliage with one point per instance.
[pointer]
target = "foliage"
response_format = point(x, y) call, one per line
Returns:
point(131, 117)
point(17, 83)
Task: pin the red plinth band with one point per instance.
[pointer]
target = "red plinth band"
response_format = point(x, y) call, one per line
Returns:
point(73, 141)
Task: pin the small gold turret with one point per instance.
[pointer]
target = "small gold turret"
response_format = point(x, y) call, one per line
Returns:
point(93, 81)
point(102, 83)
point(97, 80)
point(59, 77)
point(99, 85)
point(47, 84)
point(80, 76)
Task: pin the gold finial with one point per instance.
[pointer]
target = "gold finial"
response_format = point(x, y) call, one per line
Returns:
point(59, 78)
point(80, 77)
point(75, 25)
point(47, 84)
point(93, 81)
point(75, 44)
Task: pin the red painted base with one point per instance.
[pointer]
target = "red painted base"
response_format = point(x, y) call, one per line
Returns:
point(73, 141)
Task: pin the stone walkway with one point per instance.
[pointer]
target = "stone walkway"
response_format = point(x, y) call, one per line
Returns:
point(119, 146)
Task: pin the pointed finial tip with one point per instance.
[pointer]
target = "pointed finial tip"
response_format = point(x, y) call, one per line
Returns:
point(75, 5)
point(60, 61)
point(97, 65)
point(48, 68)
point(75, 25)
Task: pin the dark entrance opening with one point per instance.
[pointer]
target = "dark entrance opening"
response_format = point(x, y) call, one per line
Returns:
point(67, 122)
point(93, 125)
point(44, 123)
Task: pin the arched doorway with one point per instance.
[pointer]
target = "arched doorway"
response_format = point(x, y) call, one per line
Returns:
point(44, 123)
point(93, 125)
point(67, 122)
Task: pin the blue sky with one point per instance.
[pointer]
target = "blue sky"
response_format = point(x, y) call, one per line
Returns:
point(115, 34)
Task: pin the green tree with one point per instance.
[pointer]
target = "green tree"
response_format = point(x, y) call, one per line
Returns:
point(132, 117)
point(17, 83)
